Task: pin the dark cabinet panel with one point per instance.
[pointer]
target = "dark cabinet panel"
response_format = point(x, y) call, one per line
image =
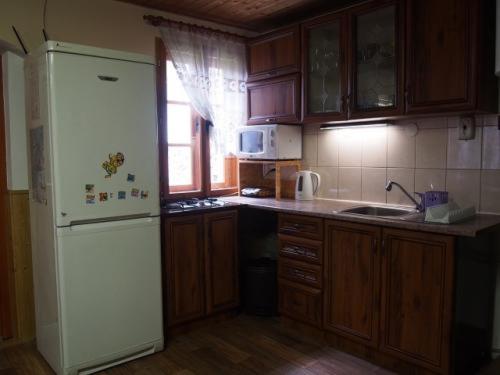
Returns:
point(299, 302)
point(184, 268)
point(441, 55)
point(221, 260)
point(301, 226)
point(351, 288)
point(275, 100)
point(301, 249)
point(274, 54)
point(417, 290)
point(300, 272)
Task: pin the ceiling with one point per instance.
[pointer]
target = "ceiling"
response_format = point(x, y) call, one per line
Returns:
point(257, 15)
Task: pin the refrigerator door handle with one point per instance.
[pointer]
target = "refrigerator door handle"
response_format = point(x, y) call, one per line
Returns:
point(109, 219)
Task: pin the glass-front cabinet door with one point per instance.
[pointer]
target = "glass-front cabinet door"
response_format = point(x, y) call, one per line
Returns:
point(375, 88)
point(325, 76)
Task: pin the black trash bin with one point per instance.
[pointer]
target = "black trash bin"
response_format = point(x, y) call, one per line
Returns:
point(261, 287)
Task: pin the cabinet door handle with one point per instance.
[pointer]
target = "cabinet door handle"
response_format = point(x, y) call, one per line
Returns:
point(271, 119)
point(374, 246)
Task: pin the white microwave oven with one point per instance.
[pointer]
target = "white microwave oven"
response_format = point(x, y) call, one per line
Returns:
point(269, 142)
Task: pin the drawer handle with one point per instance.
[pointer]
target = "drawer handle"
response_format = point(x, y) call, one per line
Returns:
point(295, 249)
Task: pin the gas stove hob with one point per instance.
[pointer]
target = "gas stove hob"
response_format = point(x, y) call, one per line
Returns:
point(194, 204)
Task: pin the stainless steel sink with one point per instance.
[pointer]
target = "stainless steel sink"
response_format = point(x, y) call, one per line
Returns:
point(378, 211)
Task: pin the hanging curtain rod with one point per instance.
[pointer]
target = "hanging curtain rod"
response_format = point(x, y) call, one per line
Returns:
point(159, 20)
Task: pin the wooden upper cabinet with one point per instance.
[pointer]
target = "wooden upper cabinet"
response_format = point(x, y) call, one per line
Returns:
point(274, 54)
point(450, 56)
point(417, 292)
point(184, 269)
point(275, 100)
point(324, 69)
point(351, 287)
point(221, 260)
point(376, 60)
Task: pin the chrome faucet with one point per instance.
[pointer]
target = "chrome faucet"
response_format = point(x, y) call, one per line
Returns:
point(418, 206)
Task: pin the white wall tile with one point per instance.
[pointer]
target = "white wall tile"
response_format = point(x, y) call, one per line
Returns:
point(373, 181)
point(374, 148)
point(400, 147)
point(310, 150)
point(329, 182)
point(350, 183)
point(431, 148)
point(433, 123)
point(406, 178)
point(350, 143)
point(491, 147)
point(328, 148)
point(490, 191)
point(430, 179)
point(464, 186)
point(464, 154)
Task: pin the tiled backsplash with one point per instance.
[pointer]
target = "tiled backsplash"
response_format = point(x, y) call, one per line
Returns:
point(356, 163)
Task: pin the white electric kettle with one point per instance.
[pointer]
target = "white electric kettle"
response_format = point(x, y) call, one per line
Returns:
point(305, 189)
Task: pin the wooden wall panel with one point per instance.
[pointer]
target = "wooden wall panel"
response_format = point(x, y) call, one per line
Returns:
point(23, 269)
point(5, 258)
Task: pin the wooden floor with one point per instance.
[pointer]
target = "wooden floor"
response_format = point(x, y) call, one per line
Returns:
point(242, 345)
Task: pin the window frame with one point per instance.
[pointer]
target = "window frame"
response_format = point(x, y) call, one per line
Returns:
point(203, 174)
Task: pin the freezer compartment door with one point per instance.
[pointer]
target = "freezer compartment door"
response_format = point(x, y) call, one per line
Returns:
point(104, 135)
point(110, 288)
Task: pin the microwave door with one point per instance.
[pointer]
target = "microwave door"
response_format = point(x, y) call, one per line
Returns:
point(251, 143)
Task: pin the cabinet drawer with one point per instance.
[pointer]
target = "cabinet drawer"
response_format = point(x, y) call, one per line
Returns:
point(300, 302)
point(301, 226)
point(303, 273)
point(301, 249)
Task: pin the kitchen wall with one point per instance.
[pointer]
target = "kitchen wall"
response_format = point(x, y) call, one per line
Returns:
point(100, 23)
point(421, 154)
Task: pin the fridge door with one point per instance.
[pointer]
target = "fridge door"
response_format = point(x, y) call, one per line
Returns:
point(104, 137)
point(110, 290)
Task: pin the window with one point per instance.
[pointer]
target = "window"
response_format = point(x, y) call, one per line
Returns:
point(183, 137)
point(191, 165)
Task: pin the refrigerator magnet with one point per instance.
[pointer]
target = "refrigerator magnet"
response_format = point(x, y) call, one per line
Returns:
point(103, 197)
point(122, 194)
point(130, 177)
point(89, 188)
point(90, 199)
point(134, 193)
point(144, 194)
point(111, 195)
point(111, 166)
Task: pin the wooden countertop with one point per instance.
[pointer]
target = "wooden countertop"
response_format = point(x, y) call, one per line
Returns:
point(331, 209)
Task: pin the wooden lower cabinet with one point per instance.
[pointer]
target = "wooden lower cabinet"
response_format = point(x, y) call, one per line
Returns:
point(417, 292)
point(221, 260)
point(201, 265)
point(184, 269)
point(352, 274)
point(391, 291)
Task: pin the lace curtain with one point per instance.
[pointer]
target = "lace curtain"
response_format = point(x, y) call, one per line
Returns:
point(212, 68)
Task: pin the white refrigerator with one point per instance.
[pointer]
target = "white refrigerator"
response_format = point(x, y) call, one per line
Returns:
point(94, 192)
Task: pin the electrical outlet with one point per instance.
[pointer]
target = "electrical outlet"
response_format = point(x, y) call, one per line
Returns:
point(467, 128)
